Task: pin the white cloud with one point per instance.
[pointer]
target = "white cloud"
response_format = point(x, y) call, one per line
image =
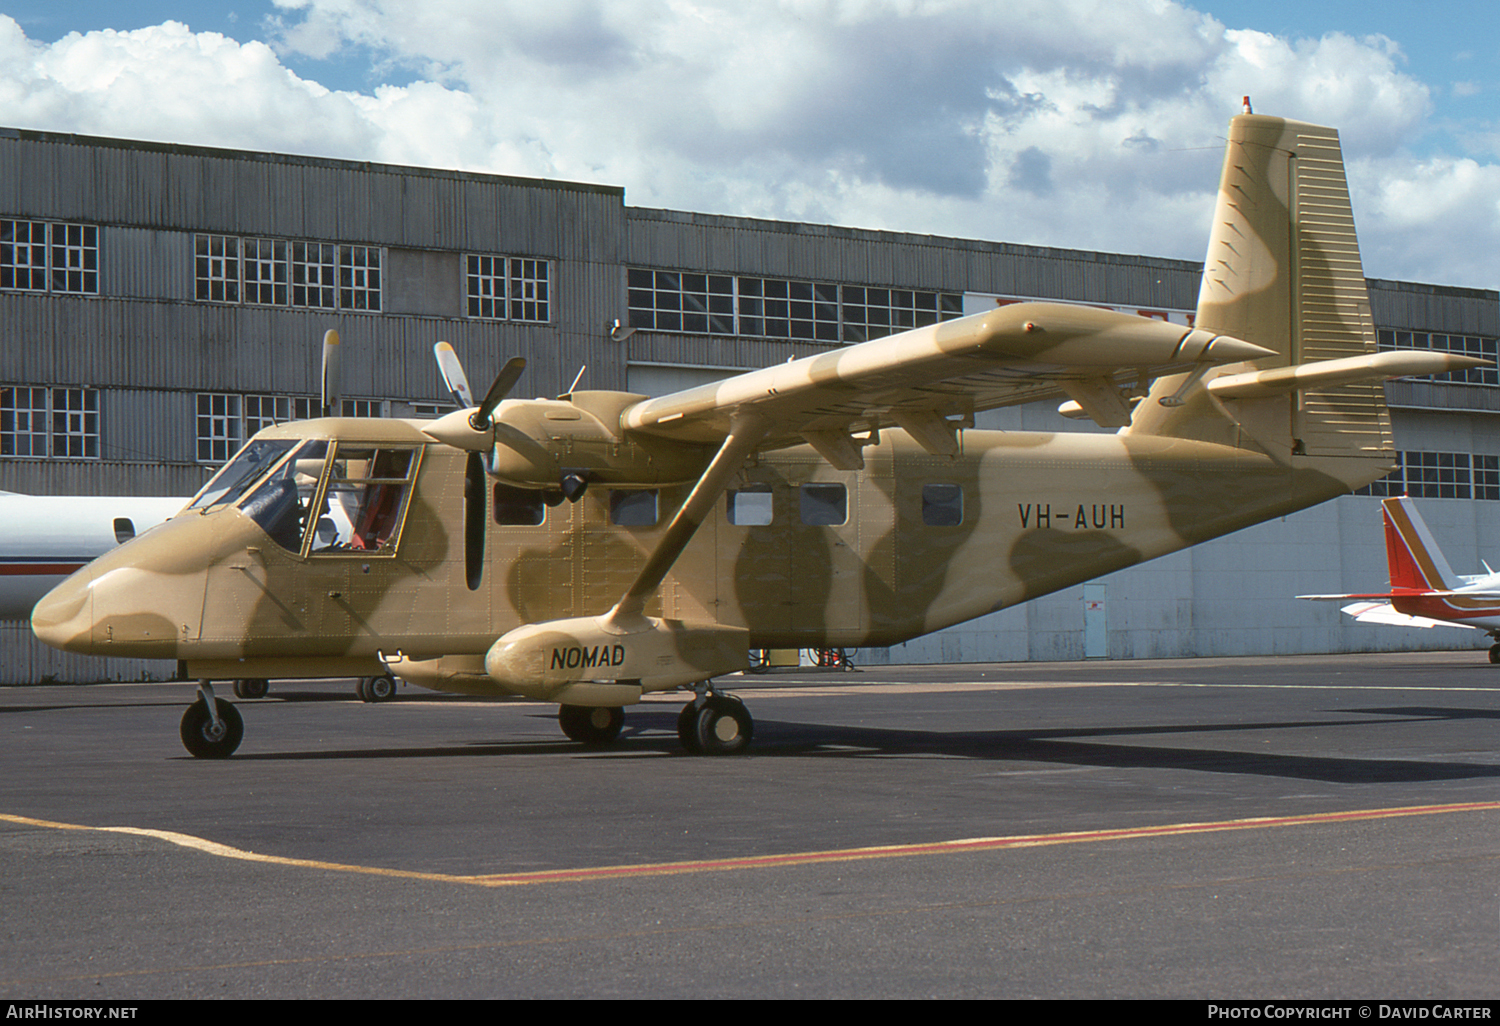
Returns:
point(1077, 123)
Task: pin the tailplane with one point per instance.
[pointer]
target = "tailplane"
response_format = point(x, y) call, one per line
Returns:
point(1416, 563)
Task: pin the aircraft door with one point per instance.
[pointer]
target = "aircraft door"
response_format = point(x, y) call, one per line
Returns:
point(829, 523)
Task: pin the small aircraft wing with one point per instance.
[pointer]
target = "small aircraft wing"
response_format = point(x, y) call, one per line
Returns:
point(919, 380)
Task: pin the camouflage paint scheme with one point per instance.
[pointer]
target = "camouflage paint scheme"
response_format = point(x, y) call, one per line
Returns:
point(1215, 445)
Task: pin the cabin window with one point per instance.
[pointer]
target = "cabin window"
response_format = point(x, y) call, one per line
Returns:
point(824, 505)
point(632, 509)
point(750, 506)
point(518, 507)
point(942, 505)
point(364, 501)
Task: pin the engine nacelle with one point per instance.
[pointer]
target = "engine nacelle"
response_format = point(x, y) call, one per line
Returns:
point(534, 442)
point(589, 661)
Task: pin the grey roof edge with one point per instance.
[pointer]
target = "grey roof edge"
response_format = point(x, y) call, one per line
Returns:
point(910, 238)
point(266, 157)
point(1460, 291)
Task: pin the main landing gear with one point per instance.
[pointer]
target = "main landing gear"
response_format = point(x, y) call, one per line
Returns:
point(713, 723)
point(376, 689)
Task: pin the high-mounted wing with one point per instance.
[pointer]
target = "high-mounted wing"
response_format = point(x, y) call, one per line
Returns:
point(919, 380)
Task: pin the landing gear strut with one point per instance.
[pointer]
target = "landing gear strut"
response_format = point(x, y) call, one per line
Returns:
point(211, 727)
point(715, 723)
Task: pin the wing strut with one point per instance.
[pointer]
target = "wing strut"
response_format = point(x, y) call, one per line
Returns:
point(745, 433)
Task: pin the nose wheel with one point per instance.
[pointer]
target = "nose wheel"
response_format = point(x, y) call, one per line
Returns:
point(376, 689)
point(211, 727)
point(715, 723)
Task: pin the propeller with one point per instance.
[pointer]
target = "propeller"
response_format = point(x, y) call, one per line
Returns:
point(475, 475)
point(330, 390)
point(457, 382)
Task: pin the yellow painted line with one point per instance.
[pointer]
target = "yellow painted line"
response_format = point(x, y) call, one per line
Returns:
point(955, 847)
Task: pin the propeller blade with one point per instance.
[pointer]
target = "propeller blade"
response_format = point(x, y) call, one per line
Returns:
point(454, 378)
point(330, 391)
point(504, 382)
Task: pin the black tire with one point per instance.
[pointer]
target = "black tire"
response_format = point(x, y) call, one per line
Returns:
point(251, 688)
point(376, 689)
point(591, 725)
point(1495, 653)
point(723, 726)
point(201, 739)
point(687, 727)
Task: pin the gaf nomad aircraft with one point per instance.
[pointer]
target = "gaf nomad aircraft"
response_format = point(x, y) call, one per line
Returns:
point(1425, 592)
point(588, 549)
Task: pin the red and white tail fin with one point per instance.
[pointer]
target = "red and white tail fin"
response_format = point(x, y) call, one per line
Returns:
point(1415, 561)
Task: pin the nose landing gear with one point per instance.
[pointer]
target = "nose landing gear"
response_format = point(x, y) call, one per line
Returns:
point(211, 727)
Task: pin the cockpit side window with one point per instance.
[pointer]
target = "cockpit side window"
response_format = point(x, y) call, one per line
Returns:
point(247, 467)
point(364, 501)
point(279, 504)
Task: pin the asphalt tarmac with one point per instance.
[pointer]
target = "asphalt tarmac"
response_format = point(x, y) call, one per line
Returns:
point(1306, 827)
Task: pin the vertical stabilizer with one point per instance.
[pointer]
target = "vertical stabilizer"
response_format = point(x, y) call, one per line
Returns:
point(1413, 556)
point(1283, 271)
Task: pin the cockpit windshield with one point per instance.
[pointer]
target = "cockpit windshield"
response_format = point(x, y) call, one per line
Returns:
point(247, 467)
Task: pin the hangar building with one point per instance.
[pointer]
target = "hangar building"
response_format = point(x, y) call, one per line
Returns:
point(162, 303)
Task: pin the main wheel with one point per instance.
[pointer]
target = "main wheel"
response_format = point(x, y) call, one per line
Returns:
point(687, 727)
point(591, 725)
point(376, 689)
point(251, 688)
point(205, 741)
point(1495, 653)
point(723, 726)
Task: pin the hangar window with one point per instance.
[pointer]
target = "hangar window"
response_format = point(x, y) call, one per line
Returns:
point(46, 256)
point(824, 505)
point(508, 288)
point(219, 426)
point(942, 505)
point(216, 263)
point(74, 259)
point(1486, 477)
point(266, 271)
point(1425, 475)
point(313, 271)
point(60, 423)
point(725, 304)
point(359, 278)
point(263, 411)
point(632, 508)
point(1462, 345)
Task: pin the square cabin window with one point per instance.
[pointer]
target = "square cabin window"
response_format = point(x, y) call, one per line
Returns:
point(632, 509)
point(750, 506)
point(942, 505)
point(824, 505)
point(518, 507)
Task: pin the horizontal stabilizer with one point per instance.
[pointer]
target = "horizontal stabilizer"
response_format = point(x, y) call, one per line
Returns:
point(1384, 613)
point(1326, 373)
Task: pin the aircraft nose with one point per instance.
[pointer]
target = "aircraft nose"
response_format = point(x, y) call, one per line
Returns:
point(64, 617)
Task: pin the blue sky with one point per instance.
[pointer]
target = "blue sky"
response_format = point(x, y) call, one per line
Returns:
point(1089, 124)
